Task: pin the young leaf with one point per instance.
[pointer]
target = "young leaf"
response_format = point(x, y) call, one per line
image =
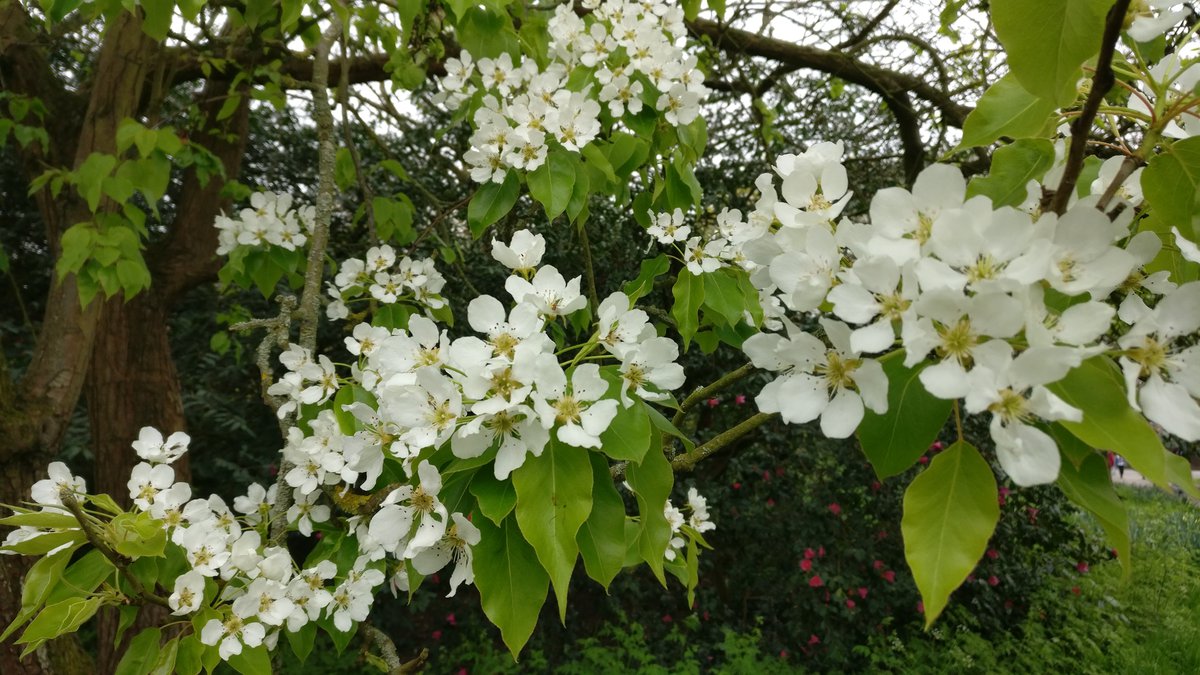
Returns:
point(893, 442)
point(512, 584)
point(1089, 486)
point(950, 511)
point(651, 481)
point(1013, 166)
point(491, 202)
point(1005, 109)
point(688, 293)
point(1097, 388)
point(1047, 42)
point(1171, 183)
point(552, 182)
point(602, 537)
point(142, 653)
point(554, 498)
point(628, 436)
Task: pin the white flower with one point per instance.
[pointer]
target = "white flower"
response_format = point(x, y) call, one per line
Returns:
point(151, 447)
point(651, 362)
point(256, 502)
point(523, 253)
point(668, 228)
point(392, 524)
point(231, 634)
point(1162, 375)
point(206, 549)
point(188, 593)
point(582, 414)
point(703, 258)
point(455, 545)
point(304, 511)
point(1148, 25)
point(47, 491)
point(833, 384)
point(266, 600)
point(699, 519)
point(146, 481)
point(549, 291)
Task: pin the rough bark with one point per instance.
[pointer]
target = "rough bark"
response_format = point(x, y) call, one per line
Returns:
point(35, 411)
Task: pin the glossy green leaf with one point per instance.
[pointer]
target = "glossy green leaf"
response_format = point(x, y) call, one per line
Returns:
point(894, 441)
point(626, 153)
point(303, 640)
point(554, 498)
point(629, 435)
point(512, 583)
point(164, 662)
point(723, 297)
point(137, 535)
point(496, 498)
point(142, 653)
point(1097, 388)
point(41, 577)
point(1005, 110)
point(82, 576)
point(1089, 486)
point(1013, 166)
point(189, 658)
point(58, 619)
point(651, 269)
point(688, 293)
point(252, 661)
point(1171, 184)
point(602, 537)
point(651, 482)
point(89, 177)
point(551, 183)
point(1179, 472)
point(45, 543)
point(43, 519)
point(950, 511)
point(1047, 42)
point(491, 202)
point(1169, 257)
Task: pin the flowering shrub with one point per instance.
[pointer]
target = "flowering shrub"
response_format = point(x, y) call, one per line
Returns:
point(1059, 312)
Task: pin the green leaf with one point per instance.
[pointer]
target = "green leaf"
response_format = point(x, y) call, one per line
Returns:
point(1089, 486)
point(252, 661)
point(41, 577)
point(652, 268)
point(43, 519)
point(689, 296)
point(142, 653)
point(664, 425)
point(950, 511)
point(626, 153)
point(551, 183)
point(164, 662)
point(89, 177)
point(1005, 110)
point(1171, 184)
point(651, 482)
point(485, 33)
point(491, 202)
point(156, 20)
point(58, 619)
point(723, 296)
point(151, 176)
point(554, 498)
point(628, 436)
point(189, 659)
point(44, 543)
point(1179, 472)
point(496, 498)
point(1013, 166)
point(302, 641)
point(1097, 388)
point(1047, 42)
point(602, 537)
point(137, 535)
point(344, 173)
point(894, 441)
point(1169, 257)
point(512, 584)
point(82, 577)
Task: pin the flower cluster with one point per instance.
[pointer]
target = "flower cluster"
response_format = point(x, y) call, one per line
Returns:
point(696, 521)
point(970, 292)
point(270, 220)
point(384, 279)
point(623, 55)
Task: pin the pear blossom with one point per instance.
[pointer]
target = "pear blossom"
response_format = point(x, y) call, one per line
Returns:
point(304, 511)
point(549, 291)
point(523, 254)
point(146, 481)
point(668, 228)
point(151, 447)
point(188, 594)
point(48, 491)
point(1161, 363)
point(231, 633)
point(454, 546)
point(579, 415)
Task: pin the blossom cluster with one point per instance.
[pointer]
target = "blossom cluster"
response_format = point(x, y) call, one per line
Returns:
point(697, 520)
point(970, 292)
point(622, 55)
point(270, 220)
point(385, 279)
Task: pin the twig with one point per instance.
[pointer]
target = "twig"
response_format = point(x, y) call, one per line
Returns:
point(705, 392)
point(119, 561)
point(1102, 82)
point(688, 461)
point(387, 651)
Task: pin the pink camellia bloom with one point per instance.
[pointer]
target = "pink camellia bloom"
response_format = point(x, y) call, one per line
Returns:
point(890, 576)
point(809, 553)
point(806, 565)
point(740, 399)
point(1082, 567)
point(862, 592)
point(835, 509)
point(993, 553)
point(849, 604)
point(993, 580)
point(816, 581)
point(713, 402)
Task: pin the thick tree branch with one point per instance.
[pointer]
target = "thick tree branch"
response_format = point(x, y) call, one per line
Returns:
point(688, 461)
point(1081, 128)
point(887, 83)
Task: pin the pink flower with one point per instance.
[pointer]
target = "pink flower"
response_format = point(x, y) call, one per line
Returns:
point(923, 459)
point(1004, 492)
point(937, 445)
point(835, 509)
point(436, 635)
point(993, 553)
point(862, 592)
point(876, 486)
point(740, 399)
point(736, 485)
point(713, 402)
point(820, 551)
point(849, 604)
point(767, 476)
point(783, 654)
point(1082, 567)
point(890, 576)
point(809, 553)
point(1032, 511)
point(993, 580)
point(450, 619)
point(704, 616)
point(814, 640)
point(806, 565)
point(815, 581)
point(666, 618)
point(920, 607)
point(878, 564)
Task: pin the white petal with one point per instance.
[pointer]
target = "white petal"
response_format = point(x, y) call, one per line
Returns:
point(1028, 455)
point(1169, 405)
point(841, 418)
point(802, 398)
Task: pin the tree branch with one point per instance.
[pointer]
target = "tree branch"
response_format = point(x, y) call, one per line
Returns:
point(688, 461)
point(95, 539)
point(1102, 82)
